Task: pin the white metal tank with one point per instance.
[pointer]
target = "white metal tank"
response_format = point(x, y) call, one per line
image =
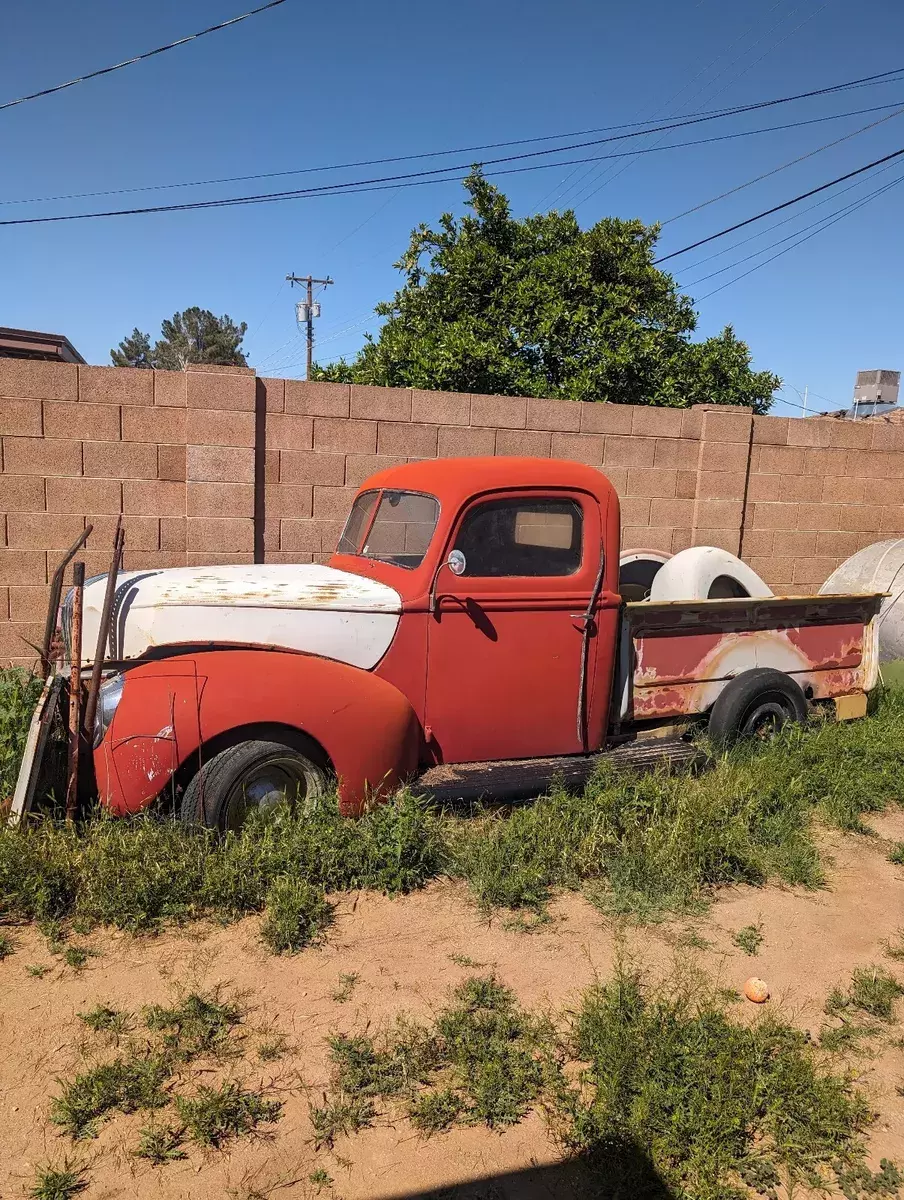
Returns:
point(877, 568)
point(706, 573)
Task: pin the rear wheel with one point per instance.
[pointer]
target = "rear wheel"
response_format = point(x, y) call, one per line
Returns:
point(756, 704)
point(250, 776)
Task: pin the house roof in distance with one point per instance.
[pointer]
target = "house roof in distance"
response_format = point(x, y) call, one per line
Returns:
point(31, 343)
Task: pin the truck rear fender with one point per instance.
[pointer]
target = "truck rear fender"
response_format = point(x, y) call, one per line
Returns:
point(366, 728)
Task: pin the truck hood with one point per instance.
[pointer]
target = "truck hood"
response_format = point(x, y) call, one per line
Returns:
point(314, 609)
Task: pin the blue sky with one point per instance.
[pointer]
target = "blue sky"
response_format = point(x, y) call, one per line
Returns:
point(312, 84)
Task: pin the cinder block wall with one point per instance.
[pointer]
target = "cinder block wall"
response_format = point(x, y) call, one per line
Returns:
point(215, 465)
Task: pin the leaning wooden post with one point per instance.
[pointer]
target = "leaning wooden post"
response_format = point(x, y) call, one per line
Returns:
point(75, 690)
point(103, 631)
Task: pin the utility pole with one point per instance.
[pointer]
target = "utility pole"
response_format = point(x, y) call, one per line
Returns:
point(305, 313)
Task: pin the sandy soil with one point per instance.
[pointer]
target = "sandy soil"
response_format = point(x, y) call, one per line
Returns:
point(402, 951)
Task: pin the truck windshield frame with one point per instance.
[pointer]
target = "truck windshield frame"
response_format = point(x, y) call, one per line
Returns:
point(391, 525)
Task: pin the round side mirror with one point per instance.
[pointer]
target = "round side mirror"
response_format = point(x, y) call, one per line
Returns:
point(457, 562)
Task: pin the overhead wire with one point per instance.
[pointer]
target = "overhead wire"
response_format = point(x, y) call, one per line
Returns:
point(826, 221)
point(584, 197)
point(779, 207)
point(878, 79)
point(409, 179)
point(128, 62)
point(822, 227)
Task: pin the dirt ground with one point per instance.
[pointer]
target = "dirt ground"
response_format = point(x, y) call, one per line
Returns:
point(402, 950)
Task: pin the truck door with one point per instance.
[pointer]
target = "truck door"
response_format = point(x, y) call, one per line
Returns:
point(506, 653)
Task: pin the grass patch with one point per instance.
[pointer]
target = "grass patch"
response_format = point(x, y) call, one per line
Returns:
point(7, 946)
point(643, 845)
point(749, 939)
point(215, 1115)
point(103, 1019)
point(297, 911)
point(200, 1024)
point(707, 1099)
point(873, 990)
point(58, 1183)
point(124, 1085)
point(160, 1144)
point(896, 854)
point(37, 970)
point(347, 983)
point(645, 1081)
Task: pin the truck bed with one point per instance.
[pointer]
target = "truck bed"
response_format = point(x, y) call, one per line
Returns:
point(680, 654)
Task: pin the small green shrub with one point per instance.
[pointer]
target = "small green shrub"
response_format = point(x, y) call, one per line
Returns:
point(123, 1085)
point(896, 854)
point(749, 939)
point(432, 1112)
point(160, 1144)
point(58, 1183)
point(103, 1019)
point(296, 912)
point(215, 1115)
point(873, 990)
point(7, 946)
point(200, 1024)
point(340, 1115)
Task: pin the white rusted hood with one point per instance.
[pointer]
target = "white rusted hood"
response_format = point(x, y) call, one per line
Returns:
point(311, 608)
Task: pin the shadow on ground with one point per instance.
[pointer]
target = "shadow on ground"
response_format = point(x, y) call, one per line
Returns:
point(620, 1172)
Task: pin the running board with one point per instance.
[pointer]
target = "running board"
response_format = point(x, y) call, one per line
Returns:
point(522, 778)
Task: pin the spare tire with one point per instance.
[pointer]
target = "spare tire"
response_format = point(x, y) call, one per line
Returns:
point(755, 704)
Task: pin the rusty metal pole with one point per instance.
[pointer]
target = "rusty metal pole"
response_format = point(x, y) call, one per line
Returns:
point(75, 691)
point(56, 588)
point(103, 630)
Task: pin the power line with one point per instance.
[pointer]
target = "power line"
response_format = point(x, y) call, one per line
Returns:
point(581, 197)
point(128, 62)
point(674, 123)
point(824, 222)
point(778, 224)
point(776, 170)
point(416, 178)
point(778, 207)
point(823, 226)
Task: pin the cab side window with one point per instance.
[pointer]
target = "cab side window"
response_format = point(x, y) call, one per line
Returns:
point(522, 537)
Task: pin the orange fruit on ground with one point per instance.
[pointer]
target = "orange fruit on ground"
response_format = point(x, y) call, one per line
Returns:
point(756, 990)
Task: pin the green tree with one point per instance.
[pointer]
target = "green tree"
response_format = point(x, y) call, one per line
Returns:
point(540, 307)
point(133, 351)
point(192, 336)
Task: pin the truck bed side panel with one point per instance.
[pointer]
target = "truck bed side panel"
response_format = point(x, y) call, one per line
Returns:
point(686, 652)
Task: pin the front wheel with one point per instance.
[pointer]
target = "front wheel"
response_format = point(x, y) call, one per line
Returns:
point(756, 704)
point(250, 776)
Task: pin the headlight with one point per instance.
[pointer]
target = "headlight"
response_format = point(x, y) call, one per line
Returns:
point(108, 699)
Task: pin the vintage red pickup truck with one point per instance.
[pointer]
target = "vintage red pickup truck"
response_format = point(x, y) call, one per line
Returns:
point(468, 633)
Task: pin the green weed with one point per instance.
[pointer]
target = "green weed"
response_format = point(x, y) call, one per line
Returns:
point(347, 983)
point(432, 1112)
point(296, 912)
point(897, 854)
point(645, 845)
point(7, 946)
point(340, 1115)
point(103, 1019)
point(58, 1183)
point(216, 1115)
point(37, 970)
point(705, 1097)
point(320, 1178)
point(873, 990)
point(273, 1047)
point(160, 1144)
point(200, 1024)
point(858, 1182)
point(77, 957)
point(123, 1085)
point(749, 939)
point(895, 950)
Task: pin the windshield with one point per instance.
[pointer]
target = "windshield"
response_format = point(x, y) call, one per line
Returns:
point(398, 532)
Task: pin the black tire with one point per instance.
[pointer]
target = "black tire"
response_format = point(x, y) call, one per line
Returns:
point(755, 704)
point(250, 775)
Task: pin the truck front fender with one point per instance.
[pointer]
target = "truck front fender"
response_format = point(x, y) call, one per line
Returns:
point(171, 708)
